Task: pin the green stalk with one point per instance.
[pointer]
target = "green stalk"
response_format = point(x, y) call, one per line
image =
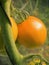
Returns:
point(8, 38)
point(35, 8)
point(9, 42)
point(6, 6)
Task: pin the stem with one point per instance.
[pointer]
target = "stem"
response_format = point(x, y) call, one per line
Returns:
point(27, 56)
point(6, 6)
point(9, 42)
point(26, 13)
point(31, 7)
point(36, 6)
point(23, 7)
point(18, 12)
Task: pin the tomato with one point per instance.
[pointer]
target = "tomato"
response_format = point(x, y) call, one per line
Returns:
point(32, 32)
point(14, 28)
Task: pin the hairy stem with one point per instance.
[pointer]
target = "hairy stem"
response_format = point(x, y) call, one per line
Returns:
point(6, 6)
point(8, 38)
point(9, 42)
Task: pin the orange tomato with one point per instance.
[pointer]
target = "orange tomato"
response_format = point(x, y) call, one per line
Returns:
point(14, 28)
point(32, 32)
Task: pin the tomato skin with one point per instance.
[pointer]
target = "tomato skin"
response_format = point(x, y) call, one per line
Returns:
point(14, 28)
point(32, 32)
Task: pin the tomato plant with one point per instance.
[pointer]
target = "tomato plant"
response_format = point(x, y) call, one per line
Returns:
point(32, 32)
point(14, 32)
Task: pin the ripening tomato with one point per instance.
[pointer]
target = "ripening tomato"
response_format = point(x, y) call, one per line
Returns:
point(14, 28)
point(32, 32)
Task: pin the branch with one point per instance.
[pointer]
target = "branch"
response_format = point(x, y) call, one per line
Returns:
point(9, 42)
point(6, 6)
